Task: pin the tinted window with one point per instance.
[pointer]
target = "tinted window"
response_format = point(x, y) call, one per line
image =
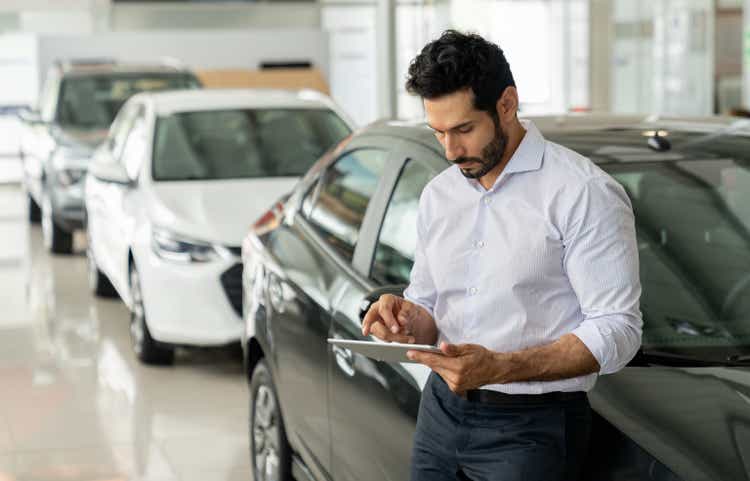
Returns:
point(336, 206)
point(692, 221)
point(394, 253)
point(231, 144)
point(93, 101)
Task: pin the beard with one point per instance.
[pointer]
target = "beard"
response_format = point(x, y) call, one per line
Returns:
point(492, 154)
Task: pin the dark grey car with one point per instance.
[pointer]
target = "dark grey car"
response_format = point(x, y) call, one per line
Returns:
point(78, 102)
point(346, 234)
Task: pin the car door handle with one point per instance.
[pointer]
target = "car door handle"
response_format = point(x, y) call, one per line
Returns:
point(344, 359)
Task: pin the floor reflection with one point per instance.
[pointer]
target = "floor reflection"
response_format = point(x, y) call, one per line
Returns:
point(75, 404)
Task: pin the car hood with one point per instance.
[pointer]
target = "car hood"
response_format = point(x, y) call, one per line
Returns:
point(215, 211)
point(694, 420)
point(80, 140)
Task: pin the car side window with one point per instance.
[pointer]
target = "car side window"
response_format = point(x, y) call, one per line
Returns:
point(336, 206)
point(135, 145)
point(394, 251)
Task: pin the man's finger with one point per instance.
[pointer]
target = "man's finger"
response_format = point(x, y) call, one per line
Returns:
point(431, 360)
point(371, 317)
point(451, 349)
point(386, 304)
point(381, 332)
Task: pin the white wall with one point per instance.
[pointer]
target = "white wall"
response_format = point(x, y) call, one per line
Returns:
point(663, 57)
point(352, 47)
point(19, 77)
point(34, 54)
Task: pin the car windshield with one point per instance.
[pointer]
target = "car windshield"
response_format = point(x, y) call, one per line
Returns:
point(246, 143)
point(91, 102)
point(692, 216)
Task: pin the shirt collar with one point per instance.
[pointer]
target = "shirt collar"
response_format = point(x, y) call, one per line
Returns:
point(527, 157)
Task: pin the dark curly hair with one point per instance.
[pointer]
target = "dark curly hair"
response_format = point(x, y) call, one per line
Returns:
point(456, 61)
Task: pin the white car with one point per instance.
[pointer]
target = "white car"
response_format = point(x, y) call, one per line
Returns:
point(173, 190)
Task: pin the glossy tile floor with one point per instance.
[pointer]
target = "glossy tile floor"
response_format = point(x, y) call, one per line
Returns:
point(75, 404)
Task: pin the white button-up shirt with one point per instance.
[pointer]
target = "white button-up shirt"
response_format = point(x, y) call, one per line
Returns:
point(550, 249)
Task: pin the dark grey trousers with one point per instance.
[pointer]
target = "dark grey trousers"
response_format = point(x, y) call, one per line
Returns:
point(460, 439)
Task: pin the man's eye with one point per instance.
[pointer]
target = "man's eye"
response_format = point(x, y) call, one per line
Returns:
point(465, 130)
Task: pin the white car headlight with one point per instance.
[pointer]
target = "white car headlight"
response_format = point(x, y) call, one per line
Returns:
point(69, 166)
point(173, 247)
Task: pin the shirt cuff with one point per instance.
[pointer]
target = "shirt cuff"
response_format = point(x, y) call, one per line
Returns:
point(598, 341)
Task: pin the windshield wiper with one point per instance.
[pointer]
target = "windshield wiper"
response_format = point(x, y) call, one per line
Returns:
point(646, 357)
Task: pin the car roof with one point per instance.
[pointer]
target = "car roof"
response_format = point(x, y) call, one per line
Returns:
point(604, 137)
point(174, 101)
point(95, 68)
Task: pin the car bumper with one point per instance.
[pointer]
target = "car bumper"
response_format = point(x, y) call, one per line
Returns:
point(68, 208)
point(192, 304)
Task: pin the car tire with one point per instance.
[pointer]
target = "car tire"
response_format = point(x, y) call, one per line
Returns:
point(35, 212)
point(145, 347)
point(98, 282)
point(56, 240)
point(270, 454)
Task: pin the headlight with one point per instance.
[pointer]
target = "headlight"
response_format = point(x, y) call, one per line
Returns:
point(173, 247)
point(68, 177)
point(69, 166)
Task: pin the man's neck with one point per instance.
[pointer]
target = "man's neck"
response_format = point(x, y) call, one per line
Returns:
point(515, 135)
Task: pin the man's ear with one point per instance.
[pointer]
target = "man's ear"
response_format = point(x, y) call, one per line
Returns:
point(507, 104)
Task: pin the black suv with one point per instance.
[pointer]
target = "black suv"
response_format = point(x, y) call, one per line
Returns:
point(78, 102)
point(346, 234)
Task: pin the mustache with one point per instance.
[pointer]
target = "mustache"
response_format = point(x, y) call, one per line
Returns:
point(463, 160)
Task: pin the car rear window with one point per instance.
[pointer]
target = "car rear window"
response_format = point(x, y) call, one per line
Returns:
point(243, 143)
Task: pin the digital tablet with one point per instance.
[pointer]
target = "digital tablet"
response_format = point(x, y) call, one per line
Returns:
point(384, 351)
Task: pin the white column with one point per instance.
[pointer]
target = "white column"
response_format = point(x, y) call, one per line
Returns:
point(601, 28)
point(746, 56)
point(385, 34)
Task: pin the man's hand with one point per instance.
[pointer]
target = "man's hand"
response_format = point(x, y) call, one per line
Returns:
point(390, 318)
point(463, 366)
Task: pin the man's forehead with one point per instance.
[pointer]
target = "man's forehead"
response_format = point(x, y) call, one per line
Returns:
point(450, 111)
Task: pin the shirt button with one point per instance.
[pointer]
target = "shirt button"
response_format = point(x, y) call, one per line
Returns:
point(487, 201)
point(480, 244)
point(473, 290)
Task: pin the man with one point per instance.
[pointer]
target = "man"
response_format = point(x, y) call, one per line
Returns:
point(525, 272)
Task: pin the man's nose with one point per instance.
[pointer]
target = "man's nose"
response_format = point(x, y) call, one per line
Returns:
point(453, 147)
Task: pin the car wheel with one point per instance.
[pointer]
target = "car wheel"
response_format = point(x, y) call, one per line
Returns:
point(56, 240)
point(148, 350)
point(270, 453)
point(98, 282)
point(35, 213)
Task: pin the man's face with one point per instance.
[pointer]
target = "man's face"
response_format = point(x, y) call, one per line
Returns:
point(470, 137)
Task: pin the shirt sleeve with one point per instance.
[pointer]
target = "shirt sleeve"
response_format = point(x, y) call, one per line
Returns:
point(421, 289)
point(601, 262)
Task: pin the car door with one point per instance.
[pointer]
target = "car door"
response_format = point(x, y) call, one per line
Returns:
point(311, 257)
point(374, 404)
point(118, 201)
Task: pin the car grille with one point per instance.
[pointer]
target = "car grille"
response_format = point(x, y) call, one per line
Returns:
point(231, 281)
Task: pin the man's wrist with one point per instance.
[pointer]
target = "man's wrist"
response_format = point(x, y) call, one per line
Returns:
point(520, 366)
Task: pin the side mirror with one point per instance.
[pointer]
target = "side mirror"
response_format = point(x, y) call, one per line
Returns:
point(110, 172)
point(31, 117)
point(374, 295)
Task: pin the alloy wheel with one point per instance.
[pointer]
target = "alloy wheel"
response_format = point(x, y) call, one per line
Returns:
point(137, 314)
point(266, 436)
point(47, 222)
